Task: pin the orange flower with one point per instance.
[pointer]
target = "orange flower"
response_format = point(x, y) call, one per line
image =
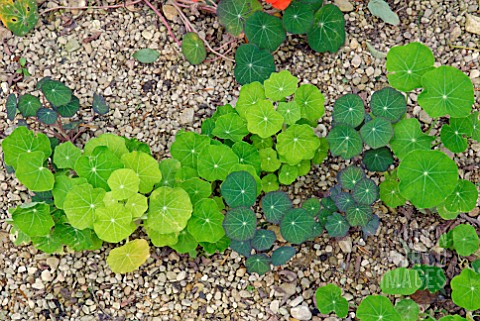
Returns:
point(279, 4)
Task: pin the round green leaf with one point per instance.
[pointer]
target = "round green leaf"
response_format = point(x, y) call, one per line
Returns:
point(275, 205)
point(311, 102)
point(328, 204)
point(56, 92)
point(328, 29)
point(240, 224)
point(344, 141)
point(365, 191)
point(453, 139)
point(230, 126)
point(270, 183)
point(375, 308)
point(28, 105)
point(407, 64)
point(80, 204)
point(249, 95)
point(197, 189)
point(66, 155)
point(381, 9)
point(297, 143)
point(214, 162)
point(343, 201)
point(220, 246)
point(312, 206)
point(249, 169)
point(11, 106)
point(349, 110)
point(280, 85)
point(297, 18)
point(337, 225)
point(69, 109)
point(145, 168)
point(137, 204)
point(464, 197)
point(261, 143)
point(466, 290)
point(32, 172)
point(288, 174)
point(233, 13)
point(349, 176)
point(263, 240)
point(50, 243)
point(187, 146)
point(129, 257)
point(169, 168)
point(62, 186)
point(281, 255)
point(427, 177)
point(247, 155)
point(242, 247)
point(401, 281)
point(193, 48)
point(390, 194)
point(433, 277)
point(19, 16)
point(290, 111)
point(269, 160)
point(447, 91)
point(264, 30)
point(258, 263)
point(116, 144)
point(264, 120)
point(378, 160)
point(408, 309)
point(252, 64)
point(388, 103)
point(329, 299)
point(124, 183)
point(113, 223)
point(296, 225)
point(206, 222)
point(160, 240)
point(359, 215)
point(377, 132)
point(147, 55)
point(408, 136)
point(169, 210)
point(33, 219)
point(465, 239)
point(239, 189)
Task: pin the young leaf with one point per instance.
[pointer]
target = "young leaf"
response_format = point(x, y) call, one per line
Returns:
point(252, 64)
point(427, 177)
point(328, 29)
point(282, 254)
point(239, 189)
point(298, 18)
point(215, 162)
point(160, 240)
point(169, 211)
point(466, 290)
point(447, 91)
point(349, 110)
point(280, 85)
point(269, 160)
point(390, 193)
point(264, 120)
point(359, 215)
point(328, 204)
point(206, 222)
point(250, 94)
point(344, 141)
point(187, 146)
point(146, 169)
point(264, 30)
point(372, 227)
point(388, 103)
point(337, 225)
point(80, 204)
point(401, 281)
point(288, 174)
point(275, 205)
point(129, 257)
point(219, 246)
point(377, 132)
point(62, 186)
point(381, 9)
point(99, 104)
point(329, 299)
point(296, 225)
point(270, 183)
point(433, 277)
point(408, 136)
point(290, 111)
point(407, 64)
point(297, 143)
point(408, 309)
point(261, 143)
point(378, 160)
point(376, 307)
point(240, 224)
point(233, 13)
point(49, 244)
point(28, 105)
point(230, 126)
point(56, 92)
point(113, 223)
point(310, 100)
point(33, 219)
point(464, 197)
point(349, 176)
point(66, 155)
point(247, 155)
point(115, 144)
point(137, 205)
point(312, 206)
point(258, 263)
point(19, 16)
point(193, 48)
point(123, 183)
point(146, 56)
point(242, 247)
point(465, 239)
point(263, 240)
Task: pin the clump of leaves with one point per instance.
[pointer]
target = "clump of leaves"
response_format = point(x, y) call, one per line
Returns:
point(22, 69)
point(324, 26)
point(55, 103)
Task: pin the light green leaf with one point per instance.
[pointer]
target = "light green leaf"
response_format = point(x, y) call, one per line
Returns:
point(465, 239)
point(128, 257)
point(33, 219)
point(310, 100)
point(408, 309)
point(290, 111)
point(32, 172)
point(280, 85)
point(187, 146)
point(329, 299)
point(247, 155)
point(205, 225)
point(146, 169)
point(147, 56)
point(249, 95)
point(408, 136)
point(80, 204)
point(466, 290)
point(113, 223)
point(19, 16)
point(381, 9)
point(62, 186)
point(66, 155)
point(264, 120)
point(215, 162)
point(401, 281)
point(376, 307)
point(115, 144)
point(464, 197)
point(22, 140)
point(124, 183)
point(137, 204)
point(230, 126)
point(297, 143)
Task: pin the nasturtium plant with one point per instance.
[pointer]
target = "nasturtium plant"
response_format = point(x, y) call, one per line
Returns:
point(328, 30)
point(252, 64)
point(377, 132)
point(378, 160)
point(466, 289)
point(401, 281)
point(206, 222)
point(329, 299)
point(233, 13)
point(463, 198)
point(240, 224)
point(19, 16)
point(296, 225)
point(275, 205)
point(297, 18)
point(33, 219)
point(264, 30)
point(282, 255)
point(239, 189)
point(193, 48)
point(344, 141)
point(258, 263)
point(388, 103)
point(128, 257)
point(465, 239)
point(263, 240)
point(350, 176)
point(337, 225)
point(280, 85)
point(408, 136)
point(408, 309)
point(377, 307)
point(215, 161)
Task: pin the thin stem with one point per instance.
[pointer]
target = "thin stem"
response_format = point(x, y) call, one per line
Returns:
point(164, 22)
point(93, 7)
point(461, 47)
point(185, 20)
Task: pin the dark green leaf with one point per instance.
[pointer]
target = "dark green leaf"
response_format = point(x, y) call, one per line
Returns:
point(193, 48)
point(56, 92)
point(296, 226)
point(328, 30)
point(275, 205)
point(11, 106)
point(265, 31)
point(99, 104)
point(378, 160)
point(28, 105)
point(252, 64)
point(47, 116)
point(240, 224)
point(258, 263)
point(69, 109)
point(239, 189)
point(242, 247)
point(388, 103)
point(281, 255)
point(263, 240)
point(298, 18)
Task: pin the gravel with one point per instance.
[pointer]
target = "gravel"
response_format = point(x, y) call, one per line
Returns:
point(92, 52)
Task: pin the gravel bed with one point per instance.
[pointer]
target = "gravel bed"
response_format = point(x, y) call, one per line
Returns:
point(152, 102)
